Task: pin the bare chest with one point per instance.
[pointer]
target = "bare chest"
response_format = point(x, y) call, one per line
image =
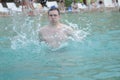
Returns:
point(54, 36)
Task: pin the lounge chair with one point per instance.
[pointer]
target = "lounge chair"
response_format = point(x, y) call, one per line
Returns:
point(82, 6)
point(51, 3)
point(13, 7)
point(108, 4)
point(119, 3)
point(3, 10)
point(36, 5)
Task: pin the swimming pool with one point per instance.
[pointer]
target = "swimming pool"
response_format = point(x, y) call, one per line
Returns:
point(93, 56)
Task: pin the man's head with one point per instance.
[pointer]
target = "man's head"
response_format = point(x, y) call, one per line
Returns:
point(54, 14)
point(54, 8)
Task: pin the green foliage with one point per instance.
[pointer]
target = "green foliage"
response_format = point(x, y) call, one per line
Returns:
point(81, 1)
point(68, 3)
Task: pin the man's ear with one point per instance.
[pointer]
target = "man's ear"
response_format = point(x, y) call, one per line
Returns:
point(59, 16)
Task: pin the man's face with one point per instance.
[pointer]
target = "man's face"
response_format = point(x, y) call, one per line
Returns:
point(54, 16)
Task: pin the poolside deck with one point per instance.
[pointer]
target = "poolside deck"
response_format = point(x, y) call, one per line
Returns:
point(13, 9)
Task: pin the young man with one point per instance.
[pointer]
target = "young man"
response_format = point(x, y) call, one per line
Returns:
point(43, 3)
point(55, 33)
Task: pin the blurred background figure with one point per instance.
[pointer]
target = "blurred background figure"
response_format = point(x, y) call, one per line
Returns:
point(74, 6)
point(61, 5)
point(43, 3)
point(28, 7)
point(4, 3)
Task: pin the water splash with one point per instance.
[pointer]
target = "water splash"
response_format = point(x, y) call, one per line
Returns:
point(79, 33)
point(26, 33)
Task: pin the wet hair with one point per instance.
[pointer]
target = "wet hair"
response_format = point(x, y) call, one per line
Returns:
point(54, 8)
point(100, 2)
point(43, 2)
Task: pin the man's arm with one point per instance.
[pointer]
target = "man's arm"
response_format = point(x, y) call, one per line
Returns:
point(69, 31)
point(72, 34)
point(40, 36)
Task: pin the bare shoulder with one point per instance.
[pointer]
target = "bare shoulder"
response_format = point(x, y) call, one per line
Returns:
point(42, 29)
point(66, 27)
point(41, 32)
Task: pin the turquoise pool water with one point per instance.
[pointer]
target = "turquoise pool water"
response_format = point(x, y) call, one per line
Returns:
point(95, 55)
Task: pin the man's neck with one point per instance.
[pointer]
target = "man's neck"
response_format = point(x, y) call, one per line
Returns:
point(55, 25)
